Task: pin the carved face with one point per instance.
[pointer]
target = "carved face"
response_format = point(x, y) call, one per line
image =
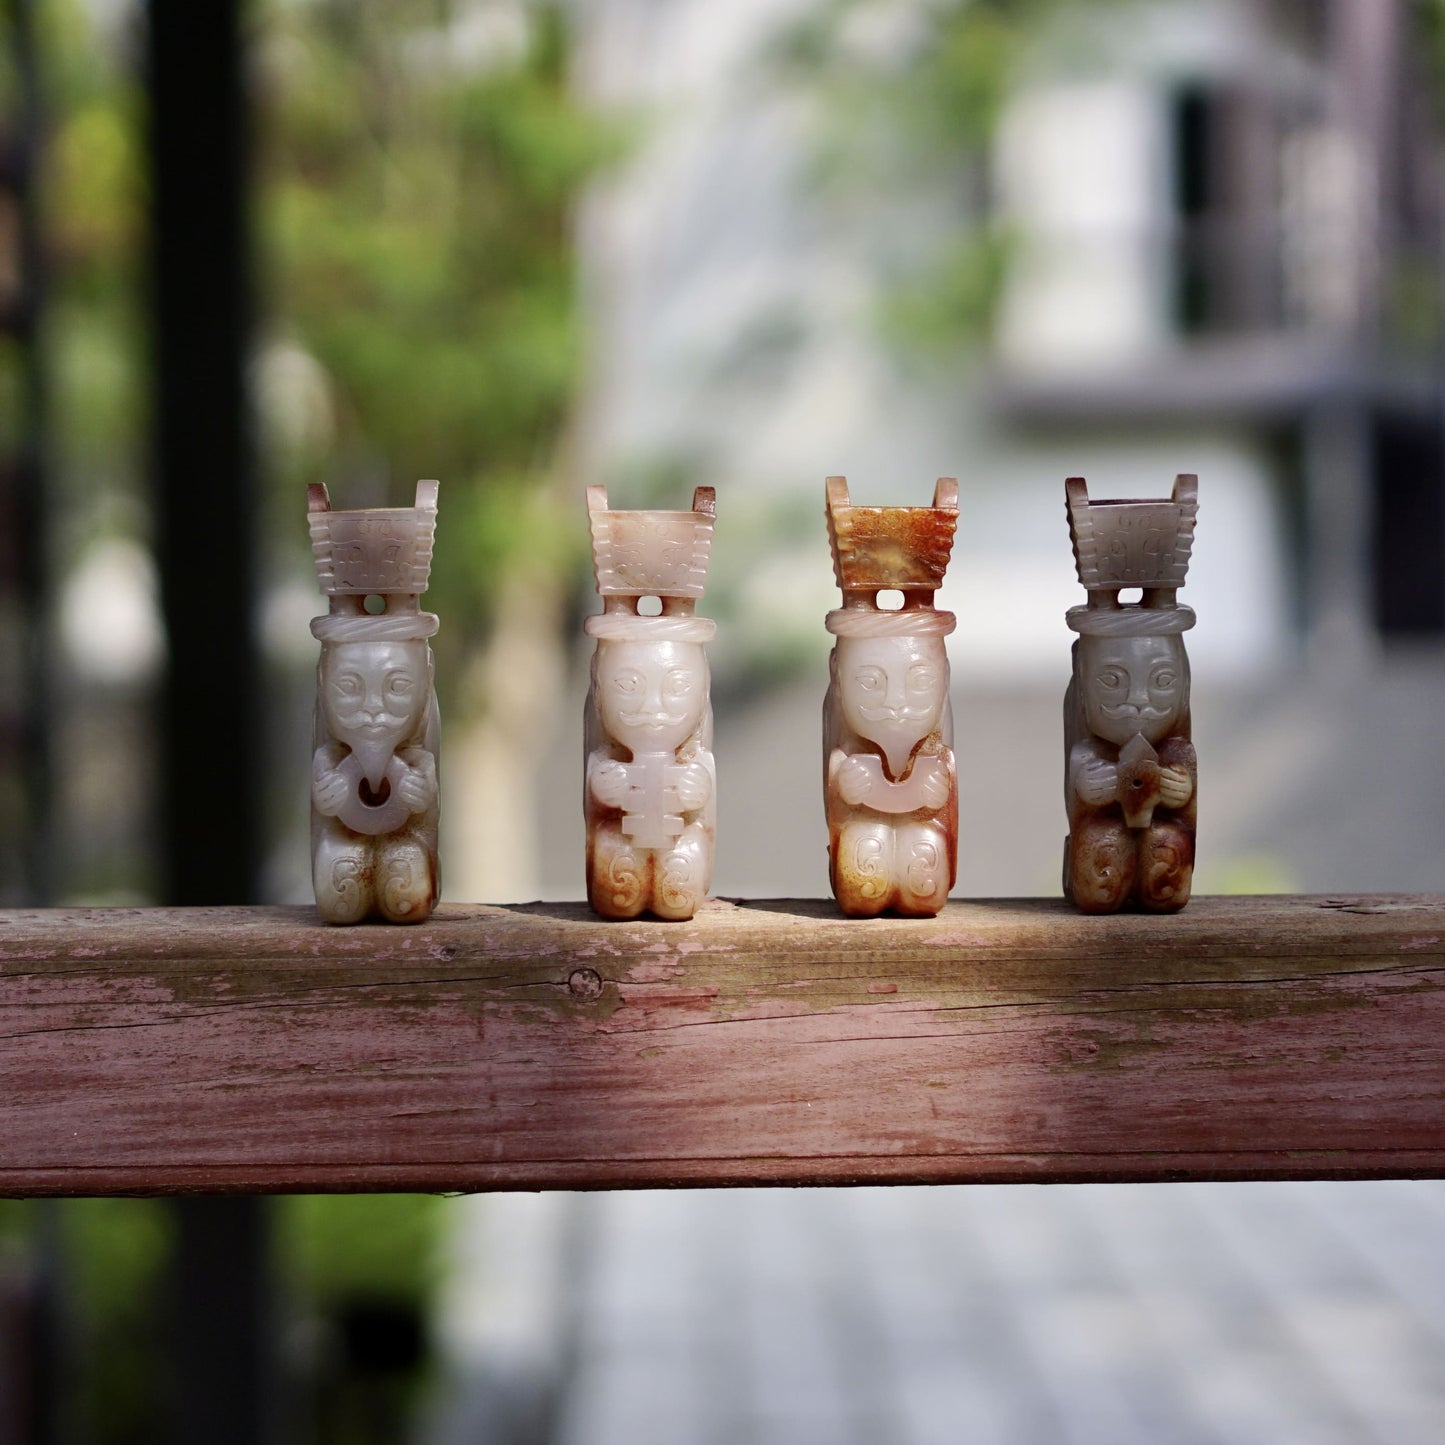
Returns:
point(893, 690)
point(373, 695)
point(1133, 685)
point(651, 694)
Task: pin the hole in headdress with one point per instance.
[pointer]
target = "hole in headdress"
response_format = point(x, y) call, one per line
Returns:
point(1130, 594)
point(374, 603)
point(890, 599)
point(649, 606)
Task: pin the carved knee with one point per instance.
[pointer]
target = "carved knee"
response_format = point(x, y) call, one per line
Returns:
point(680, 877)
point(341, 869)
point(617, 873)
point(406, 885)
point(1166, 868)
point(1102, 865)
point(923, 865)
point(862, 868)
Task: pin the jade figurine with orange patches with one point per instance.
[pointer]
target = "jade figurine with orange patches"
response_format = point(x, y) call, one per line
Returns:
point(649, 783)
point(889, 779)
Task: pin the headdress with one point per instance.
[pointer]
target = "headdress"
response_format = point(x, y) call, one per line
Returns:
point(1122, 543)
point(890, 548)
point(377, 552)
point(650, 554)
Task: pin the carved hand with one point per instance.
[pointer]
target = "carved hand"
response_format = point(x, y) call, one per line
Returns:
point(329, 789)
point(934, 784)
point(418, 785)
point(1175, 787)
point(694, 787)
point(609, 784)
point(855, 780)
point(1098, 781)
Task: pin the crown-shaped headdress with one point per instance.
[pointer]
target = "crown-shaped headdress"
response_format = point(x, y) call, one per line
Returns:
point(1123, 543)
point(382, 552)
point(651, 554)
point(903, 549)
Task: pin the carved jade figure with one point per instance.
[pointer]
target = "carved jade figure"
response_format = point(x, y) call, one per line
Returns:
point(650, 785)
point(1130, 769)
point(889, 780)
point(374, 768)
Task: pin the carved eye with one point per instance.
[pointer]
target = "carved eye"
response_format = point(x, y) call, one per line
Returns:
point(348, 685)
point(1111, 678)
point(628, 683)
point(870, 679)
point(1163, 678)
point(399, 685)
point(922, 677)
point(679, 682)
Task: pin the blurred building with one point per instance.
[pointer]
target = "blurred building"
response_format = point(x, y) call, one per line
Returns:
point(1222, 239)
point(1236, 224)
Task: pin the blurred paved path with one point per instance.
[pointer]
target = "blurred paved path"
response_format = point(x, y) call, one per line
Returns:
point(1271, 1314)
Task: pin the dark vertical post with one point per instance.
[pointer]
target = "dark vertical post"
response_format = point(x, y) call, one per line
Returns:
point(205, 492)
point(224, 1357)
point(26, 718)
point(204, 476)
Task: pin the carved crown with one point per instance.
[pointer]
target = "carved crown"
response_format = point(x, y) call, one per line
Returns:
point(374, 551)
point(1133, 543)
point(891, 547)
point(651, 554)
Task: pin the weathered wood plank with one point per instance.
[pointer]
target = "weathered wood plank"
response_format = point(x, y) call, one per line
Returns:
point(158, 1051)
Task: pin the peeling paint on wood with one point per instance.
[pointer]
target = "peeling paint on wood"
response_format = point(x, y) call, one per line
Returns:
point(157, 1051)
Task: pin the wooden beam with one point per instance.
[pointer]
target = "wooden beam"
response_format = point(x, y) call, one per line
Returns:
point(222, 1050)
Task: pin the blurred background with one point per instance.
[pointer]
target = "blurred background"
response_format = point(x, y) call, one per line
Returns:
point(524, 246)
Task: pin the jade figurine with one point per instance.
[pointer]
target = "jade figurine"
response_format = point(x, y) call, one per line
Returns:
point(376, 733)
point(1130, 769)
point(650, 783)
point(889, 779)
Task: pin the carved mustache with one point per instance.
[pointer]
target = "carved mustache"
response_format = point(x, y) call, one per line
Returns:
point(1126, 709)
point(894, 714)
point(653, 719)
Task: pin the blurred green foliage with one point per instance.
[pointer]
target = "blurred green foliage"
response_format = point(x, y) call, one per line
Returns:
point(331, 1247)
point(910, 95)
point(331, 1255)
point(417, 191)
point(918, 82)
point(114, 1253)
point(92, 198)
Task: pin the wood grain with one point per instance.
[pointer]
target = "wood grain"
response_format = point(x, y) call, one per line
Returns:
point(217, 1050)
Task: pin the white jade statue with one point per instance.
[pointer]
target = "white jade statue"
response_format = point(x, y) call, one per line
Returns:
point(889, 779)
point(650, 789)
point(1130, 770)
point(374, 768)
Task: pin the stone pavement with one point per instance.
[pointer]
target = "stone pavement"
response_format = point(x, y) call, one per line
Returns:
point(1264, 1314)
